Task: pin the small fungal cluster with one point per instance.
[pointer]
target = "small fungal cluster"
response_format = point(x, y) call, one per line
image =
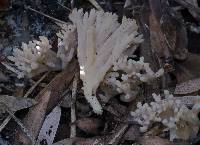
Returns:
point(133, 74)
point(37, 57)
point(181, 121)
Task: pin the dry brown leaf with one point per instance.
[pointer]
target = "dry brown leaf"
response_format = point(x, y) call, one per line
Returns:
point(188, 87)
point(47, 99)
point(158, 41)
point(116, 109)
point(3, 78)
point(67, 141)
point(15, 103)
point(133, 133)
point(90, 125)
point(99, 140)
point(157, 141)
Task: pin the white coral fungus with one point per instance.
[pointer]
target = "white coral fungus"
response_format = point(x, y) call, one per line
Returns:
point(33, 58)
point(37, 57)
point(101, 41)
point(67, 43)
point(181, 121)
point(134, 73)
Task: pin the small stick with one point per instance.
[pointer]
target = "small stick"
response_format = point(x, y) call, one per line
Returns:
point(24, 129)
point(5, 122)
point(35, 85)
point(43, 14)
point(73, 107)
point(95, 3)
point(116, 138)
point(64, 6)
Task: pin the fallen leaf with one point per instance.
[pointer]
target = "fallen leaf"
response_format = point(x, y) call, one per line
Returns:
point(67, 141)
point(157, 141)
point(15, 103)
point(133, 133)
point(47, 99)
point(158, 41)
point(90, 125)
point(49, 127)
point(99, 140)
point(3, 78)
point(116, 109)
point(188, 87)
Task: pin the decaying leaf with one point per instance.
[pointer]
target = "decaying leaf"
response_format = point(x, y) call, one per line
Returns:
point(90, 125)
point(99, 140)
point(3, 77)
point(133, 133)
point(15, 103)
point(188, 87)
point(157, 141)
point(49, 127)
point(67, 141)
point(116, 109)
point(47, 99)
point(158, 42)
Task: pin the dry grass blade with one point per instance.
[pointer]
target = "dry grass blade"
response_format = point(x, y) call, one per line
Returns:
point(158, 43)
point(54, 19)
point(48, 98)
point(23, 128)
point(35, 85)
point(5, 122)
point(188, 87)
point(96, 5)
point(73, 106)
point(116, 137)
point(188, 5)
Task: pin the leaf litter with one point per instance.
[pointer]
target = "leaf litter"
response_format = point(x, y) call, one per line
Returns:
point(39, 106)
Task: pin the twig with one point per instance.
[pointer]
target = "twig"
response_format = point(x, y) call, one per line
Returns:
point(73, 107)
point(64, 6)
point(24, 129)
point(43, 14)
point(95, 3)
point(188, 5)
point(117, 136)
point(35, 85)
point(5, 122)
